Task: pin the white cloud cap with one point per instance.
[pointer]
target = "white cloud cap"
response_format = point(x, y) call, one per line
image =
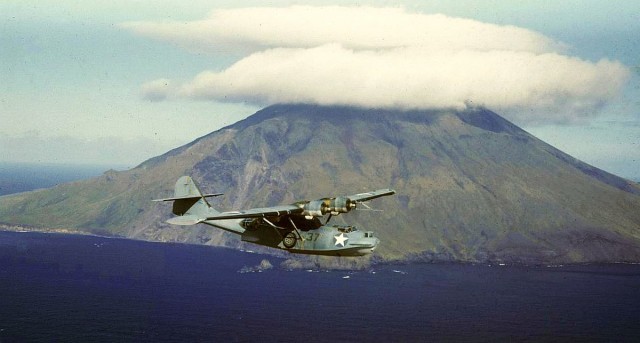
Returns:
point(352, 27)
point(387, 57)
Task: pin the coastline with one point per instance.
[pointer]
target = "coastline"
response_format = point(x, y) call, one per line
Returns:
point(305, 262)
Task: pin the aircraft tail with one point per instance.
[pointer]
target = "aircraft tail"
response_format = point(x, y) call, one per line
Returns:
point(188, 200)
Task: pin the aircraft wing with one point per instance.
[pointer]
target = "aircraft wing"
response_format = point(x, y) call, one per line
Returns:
point(362, 197)
point(316, 208)
point(274, 211)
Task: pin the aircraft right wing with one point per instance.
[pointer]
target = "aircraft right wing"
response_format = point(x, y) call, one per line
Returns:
point(362, 197)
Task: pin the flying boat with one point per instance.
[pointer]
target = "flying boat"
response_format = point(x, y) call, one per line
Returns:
point(296, 228)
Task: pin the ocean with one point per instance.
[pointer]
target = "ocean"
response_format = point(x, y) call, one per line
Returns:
point(22, 177)
point(70, 288)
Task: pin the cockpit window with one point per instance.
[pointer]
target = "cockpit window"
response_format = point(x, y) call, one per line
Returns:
point(345, 229)
point(368, 234)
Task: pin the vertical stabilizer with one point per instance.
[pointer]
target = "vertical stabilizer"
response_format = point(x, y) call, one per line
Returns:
point(187, 199)
point(186, 188)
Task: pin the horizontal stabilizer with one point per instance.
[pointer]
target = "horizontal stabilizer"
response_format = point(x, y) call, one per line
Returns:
point(190, 197)
point(185, 220)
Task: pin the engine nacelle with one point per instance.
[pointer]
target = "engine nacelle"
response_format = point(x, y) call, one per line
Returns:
point(335, 206)
point(340, 205)
point(315, 208)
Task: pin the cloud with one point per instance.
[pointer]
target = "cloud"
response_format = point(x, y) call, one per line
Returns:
point(387, 57)
point(157, 90)
point(352, 27)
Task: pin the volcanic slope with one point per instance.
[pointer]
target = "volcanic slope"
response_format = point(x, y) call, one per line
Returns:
point(470, 186)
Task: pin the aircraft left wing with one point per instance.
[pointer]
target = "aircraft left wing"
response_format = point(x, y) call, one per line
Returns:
point(309, 209)
point(274, 211)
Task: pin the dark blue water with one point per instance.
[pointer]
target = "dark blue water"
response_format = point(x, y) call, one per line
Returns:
point(79, 288)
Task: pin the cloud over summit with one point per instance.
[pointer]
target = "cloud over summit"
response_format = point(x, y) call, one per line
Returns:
point(386, 57)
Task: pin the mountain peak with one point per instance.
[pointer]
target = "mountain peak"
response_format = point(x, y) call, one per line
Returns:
point(475, 116)
point(471, 186)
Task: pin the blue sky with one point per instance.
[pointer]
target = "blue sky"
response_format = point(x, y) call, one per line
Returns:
point(76, 74)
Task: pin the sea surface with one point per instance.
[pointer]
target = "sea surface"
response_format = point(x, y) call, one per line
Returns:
point(64, 288)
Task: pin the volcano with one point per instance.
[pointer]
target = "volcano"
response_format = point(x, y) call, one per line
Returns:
point(471, 186)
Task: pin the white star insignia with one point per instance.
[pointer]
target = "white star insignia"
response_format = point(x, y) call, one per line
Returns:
point(341, 239)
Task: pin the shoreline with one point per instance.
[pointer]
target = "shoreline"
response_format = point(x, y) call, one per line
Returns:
point(68, 231)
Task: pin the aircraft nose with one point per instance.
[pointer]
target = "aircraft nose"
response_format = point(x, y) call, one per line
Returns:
point(374, 245)
point(376, 241)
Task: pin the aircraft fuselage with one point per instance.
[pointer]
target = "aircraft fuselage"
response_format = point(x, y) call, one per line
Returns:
point(303, 237)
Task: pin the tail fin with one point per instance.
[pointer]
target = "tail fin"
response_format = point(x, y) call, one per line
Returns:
point(188, 199)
